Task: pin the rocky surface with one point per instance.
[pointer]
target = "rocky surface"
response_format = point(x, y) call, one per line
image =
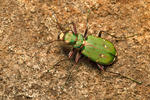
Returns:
point(33, 68)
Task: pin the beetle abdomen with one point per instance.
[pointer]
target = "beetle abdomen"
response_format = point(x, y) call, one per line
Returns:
point(99, 50)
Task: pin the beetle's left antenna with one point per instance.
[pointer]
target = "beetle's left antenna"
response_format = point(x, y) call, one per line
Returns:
point(62, 29)
point(56, 21)
point(58, 24)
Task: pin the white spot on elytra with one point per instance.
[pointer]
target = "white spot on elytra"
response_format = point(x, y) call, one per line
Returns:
point(101, 55)
point(105, 46)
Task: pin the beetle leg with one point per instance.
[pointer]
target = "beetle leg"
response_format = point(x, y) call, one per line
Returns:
point(86, 30)
point(100, 33)
point(101, 67)
point(105, 32)
point(74, 28)
point(85, 33)
point(78, 55)
point(71, 52)
point(70, 74)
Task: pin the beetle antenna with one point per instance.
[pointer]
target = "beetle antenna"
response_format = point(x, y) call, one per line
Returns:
point(63, 30)
point(56, 21)
point(123, 76)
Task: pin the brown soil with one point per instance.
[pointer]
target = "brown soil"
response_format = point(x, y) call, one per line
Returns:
point(30, 67)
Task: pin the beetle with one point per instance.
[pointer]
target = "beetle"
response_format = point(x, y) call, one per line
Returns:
point(97, 49)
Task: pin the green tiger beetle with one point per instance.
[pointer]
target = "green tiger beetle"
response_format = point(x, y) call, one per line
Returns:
point(97, 49)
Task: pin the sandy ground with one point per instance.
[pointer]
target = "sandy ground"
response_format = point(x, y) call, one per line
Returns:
point(30, 67)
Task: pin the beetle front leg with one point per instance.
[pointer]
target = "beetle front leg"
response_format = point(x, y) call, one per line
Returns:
point(74, 28)
point(71, 52)
point(78, 55)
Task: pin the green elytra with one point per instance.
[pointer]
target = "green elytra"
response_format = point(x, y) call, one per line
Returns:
point(97, 49)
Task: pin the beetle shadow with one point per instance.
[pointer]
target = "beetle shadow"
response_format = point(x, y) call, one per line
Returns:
point(93, 64)
point(65, 50)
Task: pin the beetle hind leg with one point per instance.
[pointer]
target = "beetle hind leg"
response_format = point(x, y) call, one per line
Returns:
point(100, 33)
point(100, 67)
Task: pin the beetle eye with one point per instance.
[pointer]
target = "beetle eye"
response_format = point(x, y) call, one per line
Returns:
point(60, 36)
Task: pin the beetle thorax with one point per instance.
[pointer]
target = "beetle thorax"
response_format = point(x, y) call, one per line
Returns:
point(79, 41)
